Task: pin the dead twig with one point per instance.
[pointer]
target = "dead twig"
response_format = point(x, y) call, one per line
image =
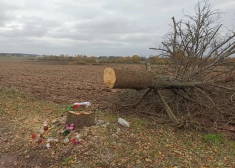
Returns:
point(167, 108)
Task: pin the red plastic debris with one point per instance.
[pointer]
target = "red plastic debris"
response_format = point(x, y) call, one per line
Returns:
point(33, 136)
point(76, 106)
point(73, 140)
point(45, 128)
point(39, 141)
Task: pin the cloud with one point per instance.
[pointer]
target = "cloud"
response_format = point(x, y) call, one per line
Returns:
point(93, 27)
point(27, 27)
point(5, 12)
point(225, 5)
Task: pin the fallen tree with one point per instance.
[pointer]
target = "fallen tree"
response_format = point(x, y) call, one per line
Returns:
point(129, 79)
point(139, 80)
point(198, 72)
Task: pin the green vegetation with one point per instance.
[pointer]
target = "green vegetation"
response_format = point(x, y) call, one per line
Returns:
point(213, 138)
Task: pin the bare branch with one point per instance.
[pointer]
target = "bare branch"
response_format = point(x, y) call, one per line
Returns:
point(175, 33)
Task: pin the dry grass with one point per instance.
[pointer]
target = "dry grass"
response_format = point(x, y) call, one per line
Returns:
point(144, 144)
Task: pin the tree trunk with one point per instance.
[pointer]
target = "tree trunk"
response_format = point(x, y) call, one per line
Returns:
point(80, 119)
point(126, 79)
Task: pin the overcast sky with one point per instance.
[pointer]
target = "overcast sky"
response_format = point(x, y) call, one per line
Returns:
point(93, 27)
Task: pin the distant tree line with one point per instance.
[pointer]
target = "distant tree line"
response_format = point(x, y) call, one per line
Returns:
point(17, 55)
point(83, 59)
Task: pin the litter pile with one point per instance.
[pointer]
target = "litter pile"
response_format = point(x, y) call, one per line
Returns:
point(58, 131)
point(52, 134)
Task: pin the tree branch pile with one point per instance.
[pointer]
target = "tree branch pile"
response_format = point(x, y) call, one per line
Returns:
point(198, 79)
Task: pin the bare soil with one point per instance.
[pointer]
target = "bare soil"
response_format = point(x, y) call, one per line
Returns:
point(63, 84)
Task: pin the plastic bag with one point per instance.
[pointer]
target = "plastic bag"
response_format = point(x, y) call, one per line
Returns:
point(123, 122)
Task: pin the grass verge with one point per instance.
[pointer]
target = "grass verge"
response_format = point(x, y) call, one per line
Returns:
point(144, 144)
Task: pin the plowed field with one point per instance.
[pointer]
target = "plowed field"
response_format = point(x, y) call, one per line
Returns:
point(64, 84)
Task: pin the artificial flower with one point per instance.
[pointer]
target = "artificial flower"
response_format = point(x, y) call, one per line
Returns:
point(70, 127)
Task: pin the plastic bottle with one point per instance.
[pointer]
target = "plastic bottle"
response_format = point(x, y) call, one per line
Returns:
point(82, 104)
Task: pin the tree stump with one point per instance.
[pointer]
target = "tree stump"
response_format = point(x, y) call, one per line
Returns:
point(80, 119)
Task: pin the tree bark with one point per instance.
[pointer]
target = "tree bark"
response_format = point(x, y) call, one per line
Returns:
point(127, 79)
point(124, 79)
point(80, 119)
